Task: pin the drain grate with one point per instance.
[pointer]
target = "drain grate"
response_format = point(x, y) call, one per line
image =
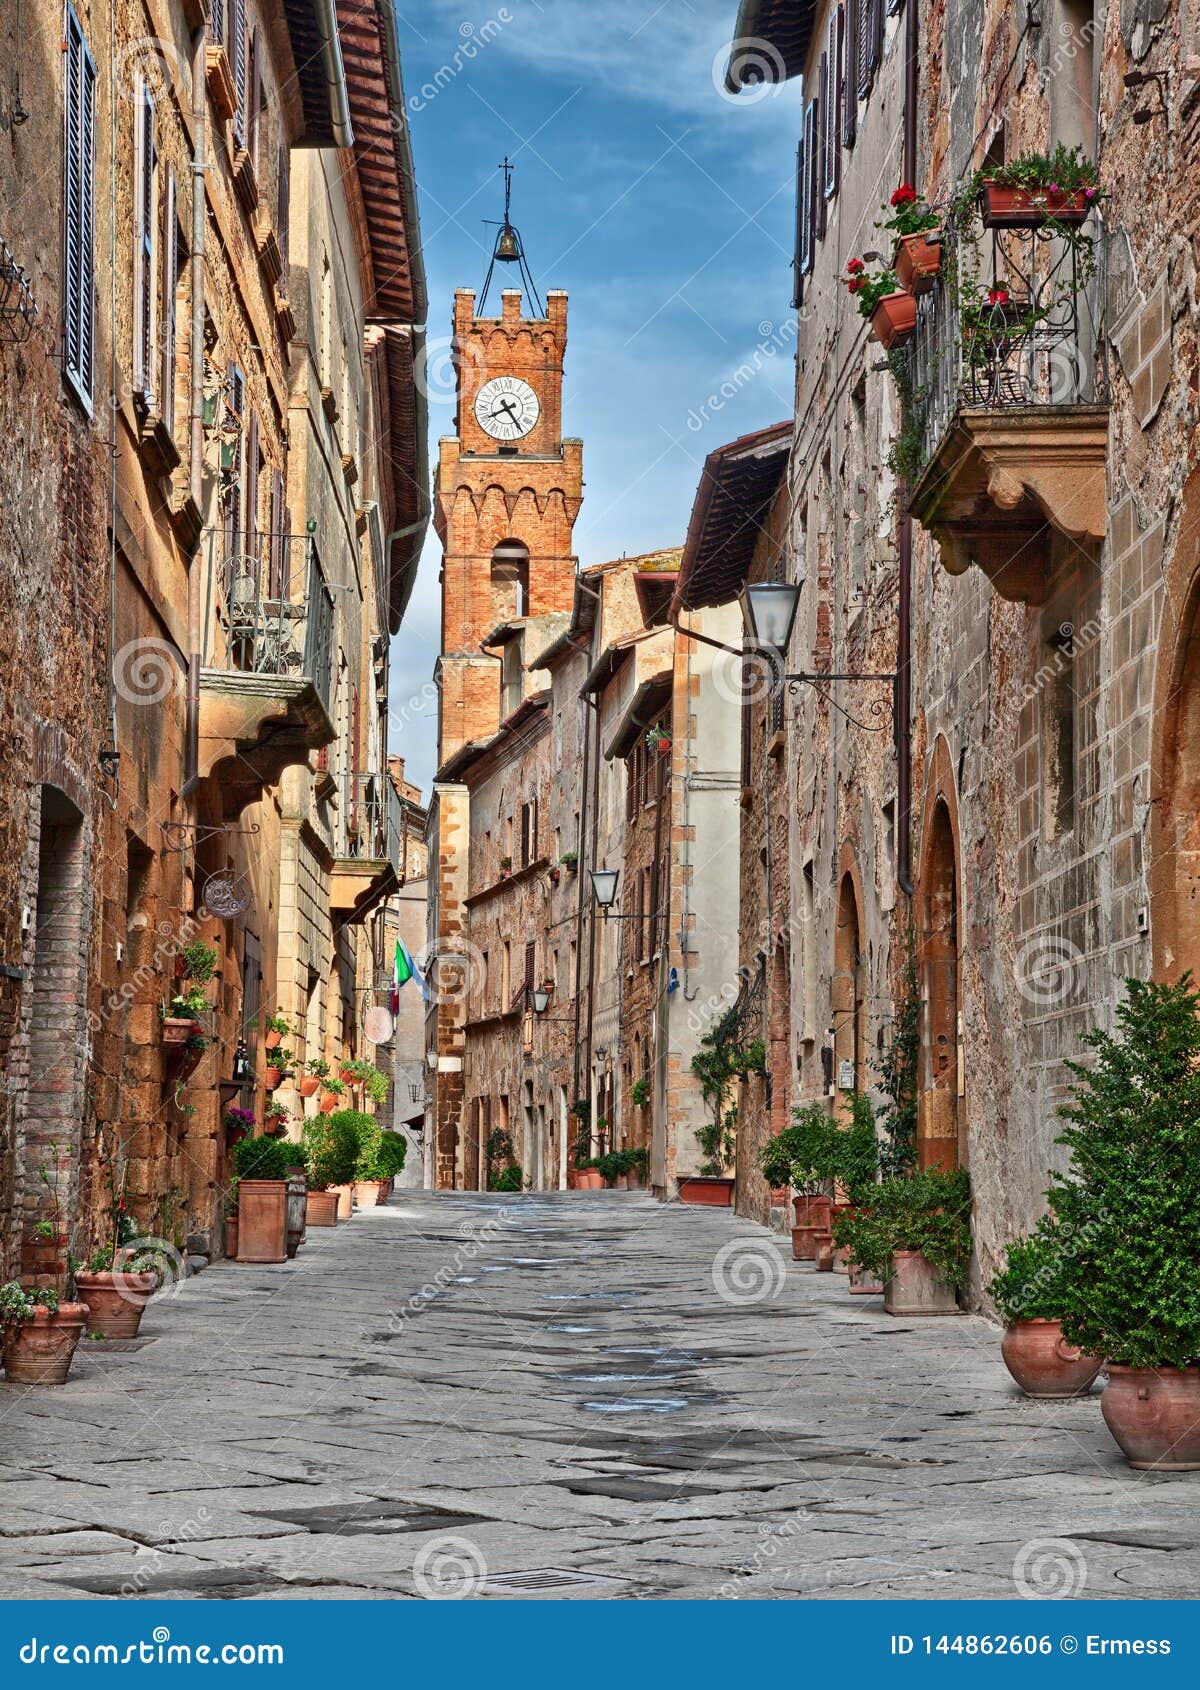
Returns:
point(548, 1578)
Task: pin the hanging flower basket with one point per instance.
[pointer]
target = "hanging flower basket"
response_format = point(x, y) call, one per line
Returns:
point(177, 1030)
point(273, 1078)
point(917, 262)
point(894, 319)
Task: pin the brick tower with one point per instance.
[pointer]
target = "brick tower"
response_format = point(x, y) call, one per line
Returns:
point(509, 488)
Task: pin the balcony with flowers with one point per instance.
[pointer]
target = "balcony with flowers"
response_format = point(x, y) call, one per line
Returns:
point(991, 315)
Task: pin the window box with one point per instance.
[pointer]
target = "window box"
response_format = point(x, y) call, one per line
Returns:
point(894, 319)
point(1030, 208)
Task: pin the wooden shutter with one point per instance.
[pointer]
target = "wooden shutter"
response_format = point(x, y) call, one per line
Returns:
point(79, 190)
point(253, 98)
point(530, 966)
point(239, 69)
point(833, 107)
point(865, 52)
point(144, 278)
point(278, 545)
point(809, 215)
point(799, 249)
point(170, 287)
point(216, 24)
point(253, 467)
point(284, 217)
point(849, 53)
point(817, 200)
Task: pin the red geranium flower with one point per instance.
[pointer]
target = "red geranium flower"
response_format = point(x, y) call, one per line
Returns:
point(905, 194)
point(855, 266)
point(997, 296)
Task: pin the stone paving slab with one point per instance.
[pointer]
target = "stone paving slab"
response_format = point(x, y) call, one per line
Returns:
point(565, 1397)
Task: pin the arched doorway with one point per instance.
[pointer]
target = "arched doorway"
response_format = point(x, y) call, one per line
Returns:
point(848, 992)
point(938, 1127)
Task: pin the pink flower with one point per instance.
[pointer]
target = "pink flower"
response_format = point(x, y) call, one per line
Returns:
point(1054, 188)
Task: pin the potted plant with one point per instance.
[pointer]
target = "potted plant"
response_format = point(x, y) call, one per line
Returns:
point(917, 252)
point(570, 861)
point(331, 1151)
point(345, 1124)
point(393, 1152)
point(587, 1174)
point(890, 309)
point(659, 740)
point(40, 1333)
point(238, 1120)
point(802, 1156)
point(118, 1280)
point(505, 867)
point(916, 1236)
point(262, 1165)
point(1131, 1197)
point(332, 1091)
point(639, 1093)
point(854, 1150)
point(612, 1169)
point(232, 1221)
point(377, 1085)
point(1029, 1294)
point(274, 1032)
point(275, 1118)
point(315, 1070)
point(369, 1175)
point(1038, 188)
point(195, 966)
point(279, 1067)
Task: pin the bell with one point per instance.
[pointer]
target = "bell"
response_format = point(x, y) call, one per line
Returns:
point(507, 250)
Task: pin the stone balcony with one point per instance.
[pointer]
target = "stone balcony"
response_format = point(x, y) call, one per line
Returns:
point(264, 701)
point(367, 848)
point(1007, 408)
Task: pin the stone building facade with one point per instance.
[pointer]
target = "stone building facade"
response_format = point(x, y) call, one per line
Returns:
point(1026, 564)
point(169, 649)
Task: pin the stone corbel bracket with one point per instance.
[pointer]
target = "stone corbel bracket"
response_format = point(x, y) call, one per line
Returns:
point(1004, 483)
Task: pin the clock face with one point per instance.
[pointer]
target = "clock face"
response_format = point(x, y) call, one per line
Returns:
point(506, 407)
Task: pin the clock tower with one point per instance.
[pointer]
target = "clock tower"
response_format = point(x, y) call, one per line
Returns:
point(509, 487)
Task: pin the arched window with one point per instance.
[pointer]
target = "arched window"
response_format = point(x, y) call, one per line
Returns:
point(510, 581)
point(939, 1122)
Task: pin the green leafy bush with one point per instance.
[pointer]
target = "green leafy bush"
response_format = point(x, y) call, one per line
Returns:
point(393, 1148)
point(17, 1305)
point(803, 1154)
point(263, 1158)
point(1131, 1196)
point(331, 1142)
point(929, 1212)
point(1033, 1284)
point(855, 1151)
point(507, 1179)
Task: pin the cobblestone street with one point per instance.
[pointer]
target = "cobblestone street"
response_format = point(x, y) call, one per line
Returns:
point(550, 1396)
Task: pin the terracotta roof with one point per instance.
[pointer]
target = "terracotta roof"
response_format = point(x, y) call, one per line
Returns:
point(383, 158)
point(405, 451)
point(786, 26)
point(317, 95)
point(737, 484)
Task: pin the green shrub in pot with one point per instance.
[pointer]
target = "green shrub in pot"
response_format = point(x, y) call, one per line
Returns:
point(1032, 1285)
point(263, 1158)
point(331, 1143)
point(803, 1155)
point(928, 1211)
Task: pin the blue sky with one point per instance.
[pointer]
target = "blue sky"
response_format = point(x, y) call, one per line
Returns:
point(663, 206)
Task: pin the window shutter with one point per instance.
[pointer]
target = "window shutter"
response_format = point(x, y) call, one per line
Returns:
point(817, 200)
point(277, 542)
point(799, 248)
point(832, 84)
point(79, 149)
point(530, 966)
point(811, 154)
point(252, 476)
point(848, 36)
point(170, 286)
point(284, 217)
point(239, 70)
point(864, 45)
point(147, 160)
point(216, 24)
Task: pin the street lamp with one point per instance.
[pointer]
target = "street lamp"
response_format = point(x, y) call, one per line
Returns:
point(769, 613)
point(541, 1000)
point(604, 885)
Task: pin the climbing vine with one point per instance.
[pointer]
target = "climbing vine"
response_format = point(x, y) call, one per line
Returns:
point(898, 1074)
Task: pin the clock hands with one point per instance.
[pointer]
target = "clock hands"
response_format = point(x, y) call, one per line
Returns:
point(507, 405)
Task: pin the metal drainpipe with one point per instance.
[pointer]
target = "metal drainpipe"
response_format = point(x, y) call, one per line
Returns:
point(904, 538)
point(580, 873)
point(191, 764)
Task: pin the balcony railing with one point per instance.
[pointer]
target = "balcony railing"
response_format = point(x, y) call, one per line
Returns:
point(369, 825)
point(269, 611)
point(1013, 322)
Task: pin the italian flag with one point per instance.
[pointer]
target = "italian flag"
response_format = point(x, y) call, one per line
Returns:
point(403, 970)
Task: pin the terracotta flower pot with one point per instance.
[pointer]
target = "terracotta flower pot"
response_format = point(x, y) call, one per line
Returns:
point(1029, 208)
point(804, 1243)
point(589, 1179)
point(366, 1192)
point(863, 1282)
point(621, 1183)
point(309, 1085)
point(1154, 1414)
point(894, 319)
point(321, 1208)
point(345, 1197)
point(917, 262)
point(262, 1211)
point(177, 1030)
point(115, 1301)
point(915, 1288)
point(272, 1077)
point(231, 1236)
point(1043, 1363)
point(779, 1196)
point(38, 1351)
point(329, 1102)
point(711, 1191)
point(662, 746)
point(812, 1211)
point(824, 1251)
point(272, 1040)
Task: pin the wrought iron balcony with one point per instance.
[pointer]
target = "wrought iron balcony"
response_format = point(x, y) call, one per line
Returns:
point(368, 838)
point(1005, 393)
point(267, 675)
